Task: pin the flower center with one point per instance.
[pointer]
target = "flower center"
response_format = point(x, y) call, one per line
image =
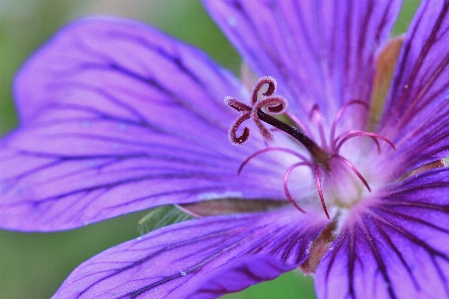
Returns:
point(325, 161)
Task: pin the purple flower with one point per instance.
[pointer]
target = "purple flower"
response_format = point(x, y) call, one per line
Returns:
point(348, 182)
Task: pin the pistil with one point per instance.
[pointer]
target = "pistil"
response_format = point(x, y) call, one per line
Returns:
point(319, 155)
point(274, 105)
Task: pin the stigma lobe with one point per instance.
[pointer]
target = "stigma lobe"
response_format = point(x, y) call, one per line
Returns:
point(274, 105)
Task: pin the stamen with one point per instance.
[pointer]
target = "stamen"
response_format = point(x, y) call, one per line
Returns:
point(320, 188)
point(270, 149)
point(316, 111)
point(340, 140)
point(286, 176)
point(352, 167)
point(343, 110)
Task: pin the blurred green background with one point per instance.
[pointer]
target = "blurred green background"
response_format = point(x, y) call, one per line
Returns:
point(33, 265)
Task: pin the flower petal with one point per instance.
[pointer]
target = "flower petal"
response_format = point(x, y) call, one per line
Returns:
point(201, 258)
point(394, 246)
point(320, 52)
point(118, 117)
point(417, 109)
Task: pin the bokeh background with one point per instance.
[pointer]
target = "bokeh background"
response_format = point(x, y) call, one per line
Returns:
point(33, 265)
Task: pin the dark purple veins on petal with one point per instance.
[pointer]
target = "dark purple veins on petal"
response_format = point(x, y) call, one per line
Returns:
point(416, 111)
point(200, 258)
point(102, 123)
point(308, 45)
point(394, 247)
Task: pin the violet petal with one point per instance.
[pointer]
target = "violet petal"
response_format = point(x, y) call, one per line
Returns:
point(318, 51)
point(201, 258)
point(417, 109)
point(118, 117)
point(393, 246)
